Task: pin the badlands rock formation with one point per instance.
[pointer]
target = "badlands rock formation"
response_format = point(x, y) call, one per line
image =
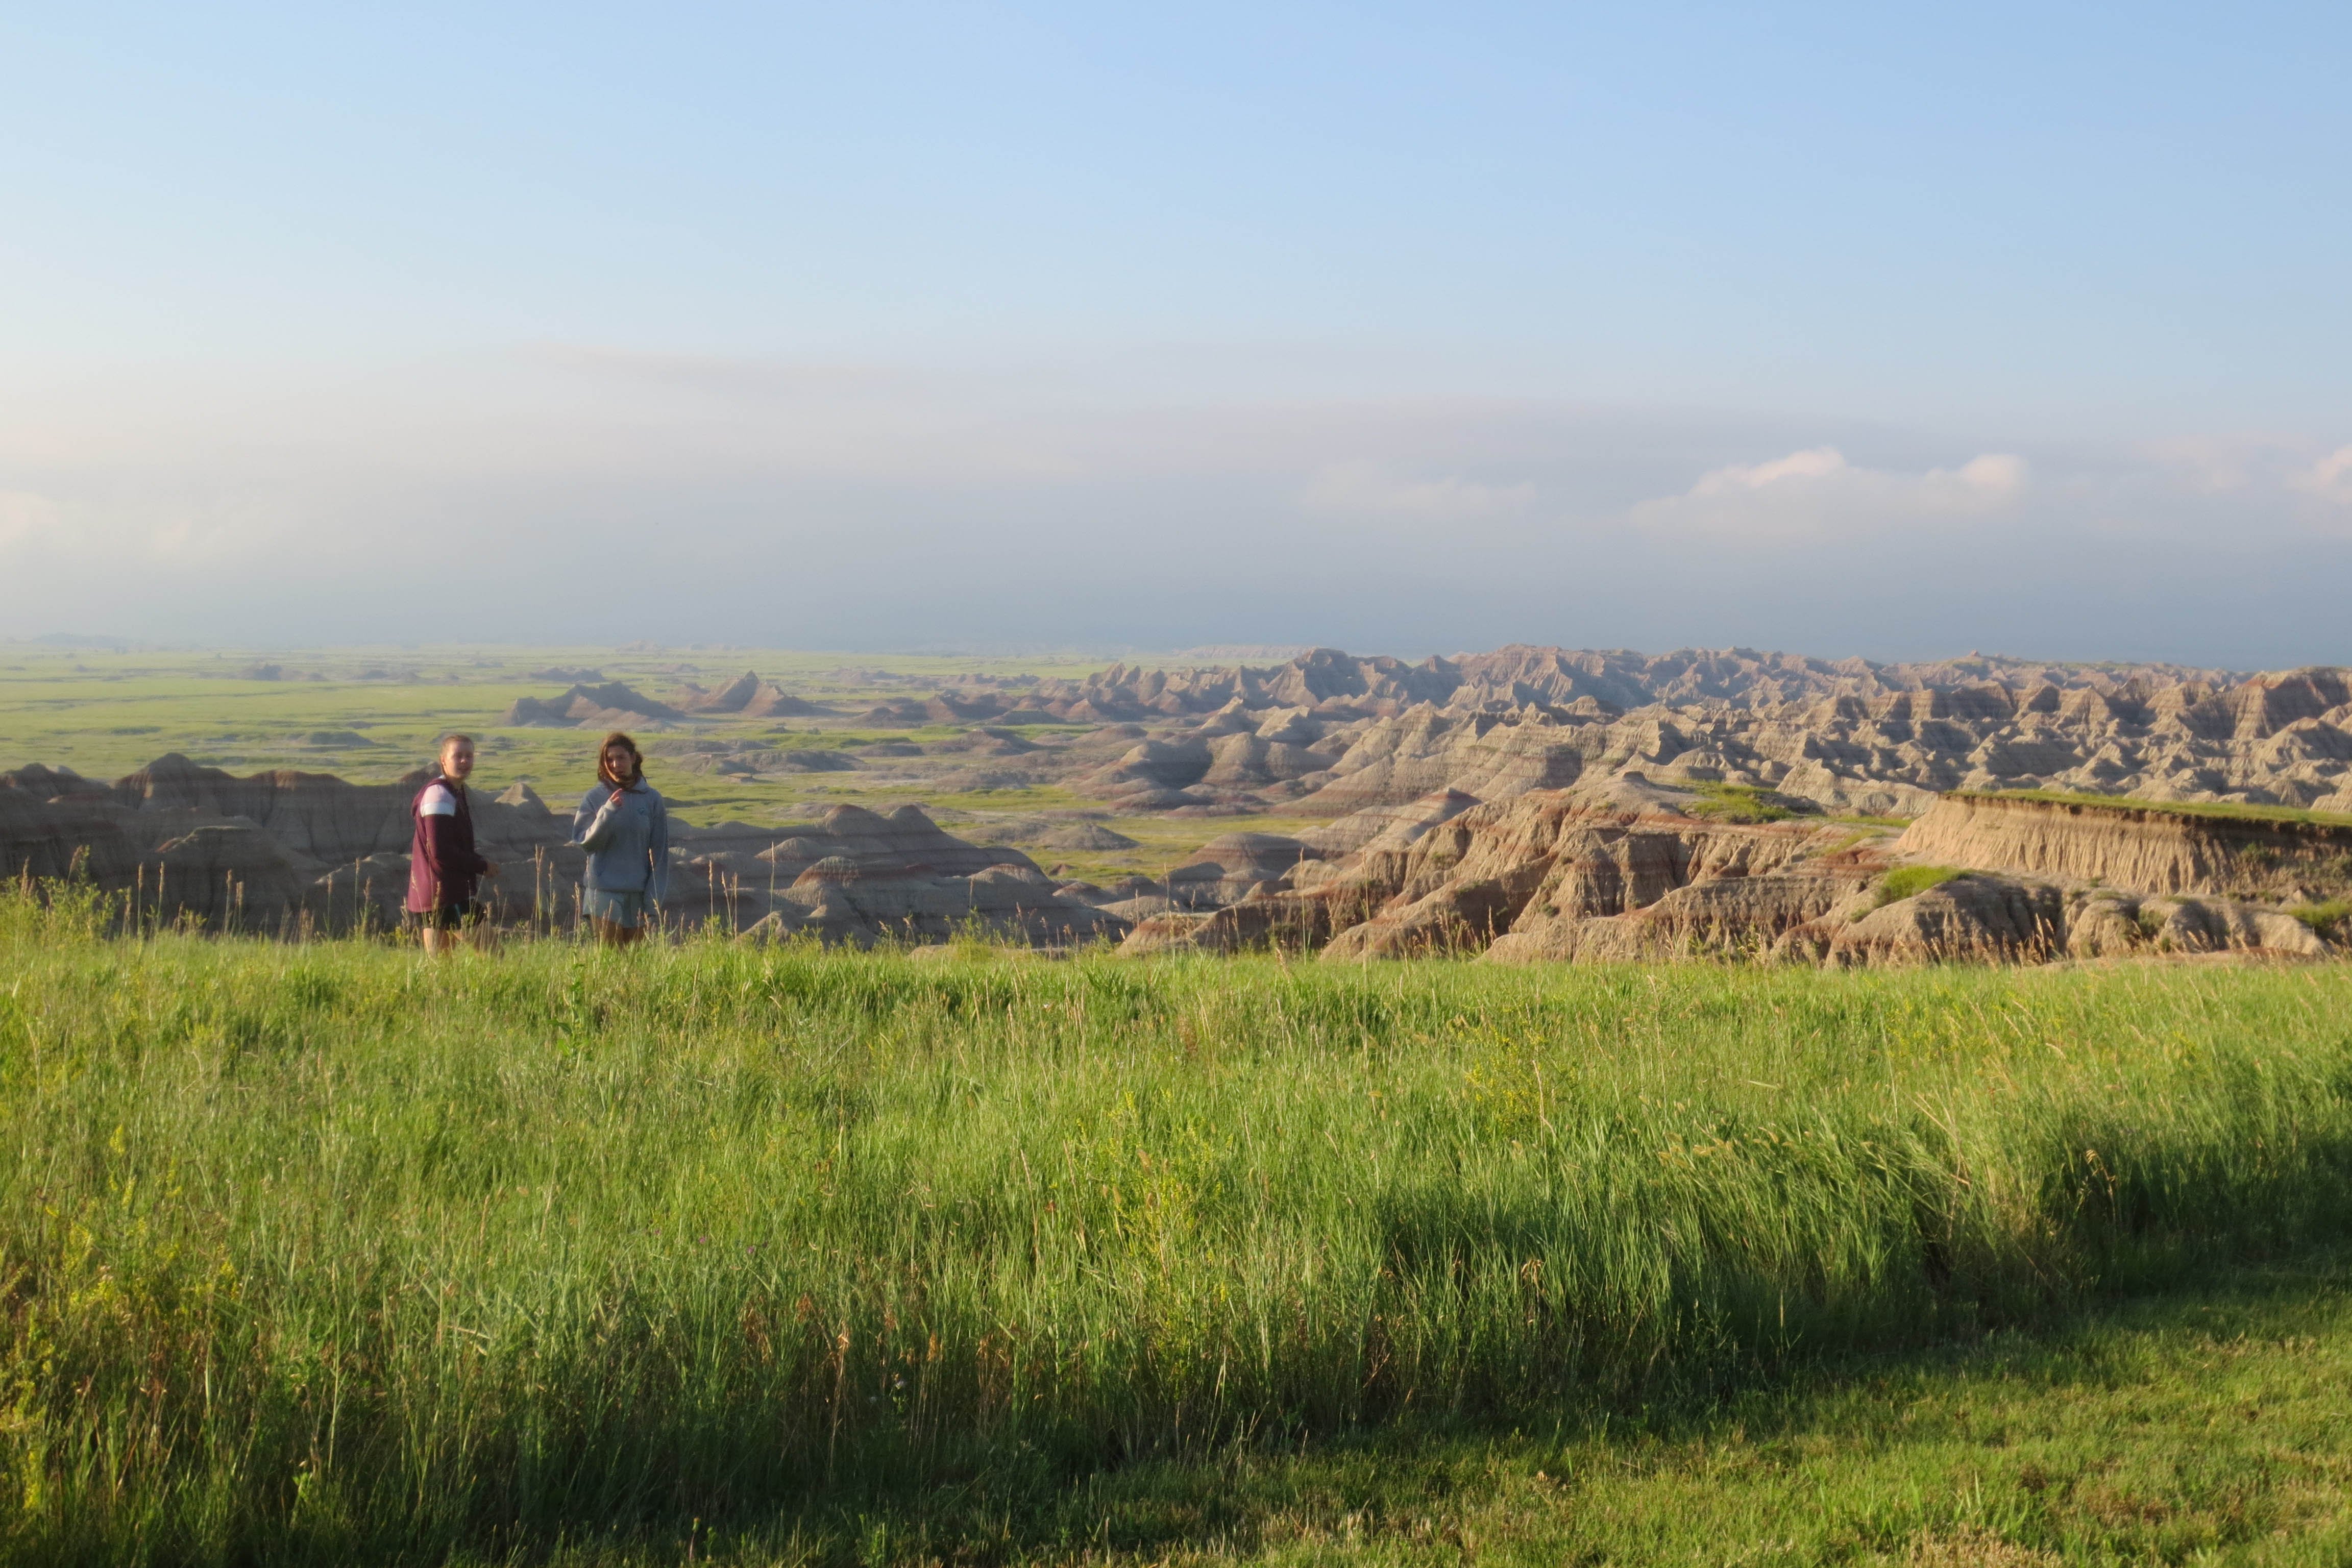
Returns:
point(611, 706)
point(2129, 846)
point(1331, 734)
point(265, 852)
point(748, 696)
point(1643, 872)
point(1328, 734)
point(278, 852)
point(1326, 679)
point(860, 876)
point(1529, 802)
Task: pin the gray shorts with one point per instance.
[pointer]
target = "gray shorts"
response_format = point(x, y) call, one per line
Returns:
point(621, 909)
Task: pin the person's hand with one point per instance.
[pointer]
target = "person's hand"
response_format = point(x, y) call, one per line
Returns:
point(490, 868)
point(617, 798)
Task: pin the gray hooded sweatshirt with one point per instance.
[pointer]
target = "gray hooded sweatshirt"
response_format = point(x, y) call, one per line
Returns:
point(627, 839)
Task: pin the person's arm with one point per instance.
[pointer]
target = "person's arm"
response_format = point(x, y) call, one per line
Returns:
point(591, 825)
point(658, 852)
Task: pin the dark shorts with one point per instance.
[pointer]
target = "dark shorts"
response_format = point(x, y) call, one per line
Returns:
point(448, 917)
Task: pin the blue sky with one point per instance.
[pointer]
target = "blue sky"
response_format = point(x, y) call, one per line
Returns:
point(1407, 328)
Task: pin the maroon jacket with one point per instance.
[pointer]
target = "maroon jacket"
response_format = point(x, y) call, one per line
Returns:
point(443, 866)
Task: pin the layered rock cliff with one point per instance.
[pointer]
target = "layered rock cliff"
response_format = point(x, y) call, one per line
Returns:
point(2145, 848)
point(1642, 873)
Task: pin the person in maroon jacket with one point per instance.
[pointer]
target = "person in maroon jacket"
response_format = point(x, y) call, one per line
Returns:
point(444, 871)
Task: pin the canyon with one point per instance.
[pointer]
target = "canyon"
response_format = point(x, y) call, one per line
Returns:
point(1526, 803)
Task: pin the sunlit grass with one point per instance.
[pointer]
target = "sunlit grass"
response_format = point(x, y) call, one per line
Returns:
point(1909, 881)
point(1739, 802)
point(330, 1249)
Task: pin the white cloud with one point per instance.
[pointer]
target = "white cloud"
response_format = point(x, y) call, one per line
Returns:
point(1813, 463)
point(850, 506)
point(2216, 465)
point(110, 535)
point(1815, 494)
point(1367, 489)
point(2329, 478)
point(27, 519)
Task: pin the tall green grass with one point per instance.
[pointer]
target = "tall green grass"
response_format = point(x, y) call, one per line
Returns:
point(335, 1251)
point(1910, 881)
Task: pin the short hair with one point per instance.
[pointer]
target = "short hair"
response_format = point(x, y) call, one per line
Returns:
point(449, 741)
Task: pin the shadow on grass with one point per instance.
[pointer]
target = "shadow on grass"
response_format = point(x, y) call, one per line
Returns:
point(2199, 1422)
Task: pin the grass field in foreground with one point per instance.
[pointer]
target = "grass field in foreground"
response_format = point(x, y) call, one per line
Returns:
point(2206, 1426)
point(328, 1253)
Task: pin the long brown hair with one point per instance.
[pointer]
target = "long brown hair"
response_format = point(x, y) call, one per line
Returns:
point(605, 766)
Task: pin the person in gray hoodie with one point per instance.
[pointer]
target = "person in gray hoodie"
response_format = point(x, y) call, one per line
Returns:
point(625, 828)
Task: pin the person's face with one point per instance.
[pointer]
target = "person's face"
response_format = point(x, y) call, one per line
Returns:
point(618, 762)
point(456, 762)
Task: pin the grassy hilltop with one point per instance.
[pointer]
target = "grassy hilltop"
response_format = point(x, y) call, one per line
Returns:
point(322, 1253)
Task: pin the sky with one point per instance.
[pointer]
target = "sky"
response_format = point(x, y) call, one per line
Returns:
point(1890, 330)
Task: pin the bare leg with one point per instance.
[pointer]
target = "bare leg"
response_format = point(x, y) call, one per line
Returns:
point(479, 935)
point(613, 933)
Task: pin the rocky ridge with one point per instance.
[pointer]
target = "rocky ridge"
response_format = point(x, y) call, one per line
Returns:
point(747, 696)
point(2154, 850)
point(609, 706)
point(1642, 872)
point(1327, 733)
point(286, 851)
point(1330, 735)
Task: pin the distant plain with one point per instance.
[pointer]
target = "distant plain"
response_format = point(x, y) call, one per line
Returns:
point(371, 714)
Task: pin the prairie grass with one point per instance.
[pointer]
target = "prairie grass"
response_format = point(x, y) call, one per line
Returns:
point(2204, 1426)
point(2326, 918)
point(1909, 881)
point(1739, 802)
point(330, 1253)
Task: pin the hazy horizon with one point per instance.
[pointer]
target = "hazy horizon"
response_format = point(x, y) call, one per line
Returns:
point(712, 655)
point(1835, 332)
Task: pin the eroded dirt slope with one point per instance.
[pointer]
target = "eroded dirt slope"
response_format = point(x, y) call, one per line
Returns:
point(1642, 872)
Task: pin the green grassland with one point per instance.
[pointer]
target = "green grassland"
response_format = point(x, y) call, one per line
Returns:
point(1908, 881)
point(1739, 802)
point(327, 1253)
point(372, 714)
point(105, 713)
point(2203, 1426)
